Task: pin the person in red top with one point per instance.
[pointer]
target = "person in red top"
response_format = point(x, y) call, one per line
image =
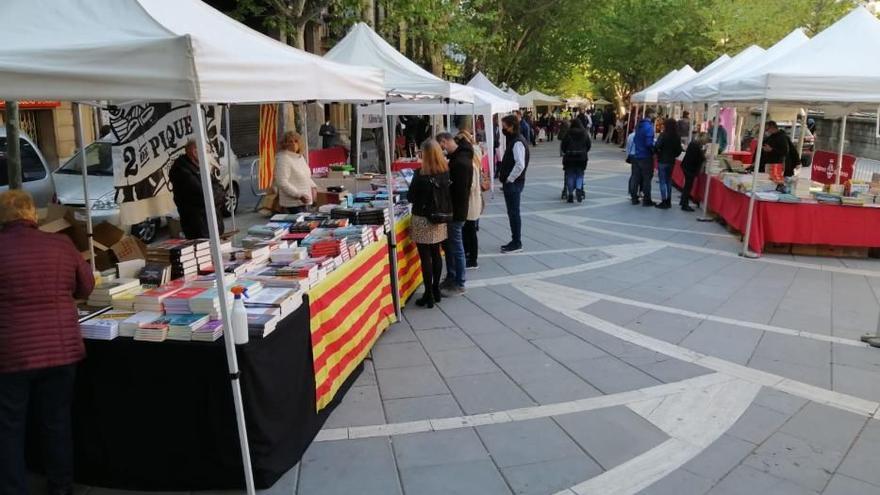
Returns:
point(41, 276)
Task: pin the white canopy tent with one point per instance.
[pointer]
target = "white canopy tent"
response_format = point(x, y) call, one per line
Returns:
point(480, 81)
point(156, 50)
point(831, 71)
point(542, 99)
point(684, 93)
point(523, 100)
point(485, 104)
point(665, 94)
point(643, 95)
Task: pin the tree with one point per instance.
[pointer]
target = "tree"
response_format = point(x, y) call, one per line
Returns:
point(288, 17)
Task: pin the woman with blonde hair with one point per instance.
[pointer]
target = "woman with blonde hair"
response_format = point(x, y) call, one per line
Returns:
point(41, 276)
point(475, 204)
point(431, 210)
point(293, 177)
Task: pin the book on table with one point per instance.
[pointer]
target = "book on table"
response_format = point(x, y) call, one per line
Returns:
point(128, 326)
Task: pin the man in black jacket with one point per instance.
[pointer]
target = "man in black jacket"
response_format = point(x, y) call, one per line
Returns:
point(691, 164)
point(461, 174)
point(775, 148)
point(512, 174)
point(186, 185)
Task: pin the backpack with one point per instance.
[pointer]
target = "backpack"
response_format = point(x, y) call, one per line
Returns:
point(579, 153)
point(438, 208)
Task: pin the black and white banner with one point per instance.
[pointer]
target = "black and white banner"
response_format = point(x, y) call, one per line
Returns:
point(149, 137)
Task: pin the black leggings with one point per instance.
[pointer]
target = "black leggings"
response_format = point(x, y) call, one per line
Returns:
point(469, 236)
point(432, 266)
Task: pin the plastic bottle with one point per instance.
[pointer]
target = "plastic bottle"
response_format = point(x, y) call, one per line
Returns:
point(239, 323)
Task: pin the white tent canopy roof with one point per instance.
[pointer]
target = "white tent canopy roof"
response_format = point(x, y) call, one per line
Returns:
point(665, 94)
point(363, 46)
point(481, 82)
point(685, 92)
point(711, 90)
point(523, 100)
point(651, 93)
point(542, 99)
point(160, 51)
point(485, 103)
point(838, 67)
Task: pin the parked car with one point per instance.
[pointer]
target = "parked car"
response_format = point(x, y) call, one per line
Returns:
point(36, 176)
point(100, 158)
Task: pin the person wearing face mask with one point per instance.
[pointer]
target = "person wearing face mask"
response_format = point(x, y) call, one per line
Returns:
point(512, 174)
point(460, 155)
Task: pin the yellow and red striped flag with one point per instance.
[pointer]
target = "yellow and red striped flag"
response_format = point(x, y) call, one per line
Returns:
point(268, 143)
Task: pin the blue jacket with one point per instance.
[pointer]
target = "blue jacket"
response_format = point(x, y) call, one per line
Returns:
point(644, 140)
point(525, 129)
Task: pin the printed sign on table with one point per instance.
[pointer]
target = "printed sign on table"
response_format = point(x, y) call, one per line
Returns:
point(825, 167)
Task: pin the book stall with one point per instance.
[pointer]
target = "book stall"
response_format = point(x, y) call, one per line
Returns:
point(823, 210)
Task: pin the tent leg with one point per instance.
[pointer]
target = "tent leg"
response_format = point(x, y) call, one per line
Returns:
point(79, 136)
point(356, 146)
point(490, 141)
point(716, 125)
point(755, 167)
point(392, 237)
point(198, 119)
point(840, 149)
point(229, 160)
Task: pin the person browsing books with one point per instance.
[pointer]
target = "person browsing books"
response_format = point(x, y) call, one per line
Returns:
point(461, 173)
point(40, 342)
point(293, 177)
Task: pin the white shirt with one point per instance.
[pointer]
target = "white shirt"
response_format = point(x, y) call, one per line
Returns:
point(293, 179)
point(519, 157)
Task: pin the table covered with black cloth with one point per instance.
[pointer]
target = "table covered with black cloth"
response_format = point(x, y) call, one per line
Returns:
point(160, 416)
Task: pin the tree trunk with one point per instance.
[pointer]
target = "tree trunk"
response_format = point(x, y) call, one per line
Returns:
point(436, 54)
point(368, 12)
point(299, 36)
point(402, 45)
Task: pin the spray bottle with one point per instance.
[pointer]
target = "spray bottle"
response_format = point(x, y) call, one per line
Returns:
point(239, 323)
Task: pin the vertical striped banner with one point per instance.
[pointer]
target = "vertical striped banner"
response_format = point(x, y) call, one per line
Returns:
point(409, 267)
point(268, 143)
point(348, 311)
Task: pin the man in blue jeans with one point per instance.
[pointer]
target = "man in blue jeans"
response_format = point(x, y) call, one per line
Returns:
point(461, 173)
point(643, 155)
point(512, 173)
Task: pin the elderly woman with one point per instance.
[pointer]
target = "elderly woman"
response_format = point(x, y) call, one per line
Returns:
point(41, 276)
point(293, 177)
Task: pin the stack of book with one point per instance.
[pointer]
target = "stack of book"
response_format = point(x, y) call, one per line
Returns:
point(181, 327)
point(307, 271)
point(178, 303)
point(155, 274)
point(209, 332)
point(125, 301)
point(330, 247)
point(178, 253)
point(104, 292)
point(285, 300)
point(288, 255)
point(261, 325)
point(129, 326)
point(271, 230)
point(152, 299)
point(155, 331)
point(104, 326)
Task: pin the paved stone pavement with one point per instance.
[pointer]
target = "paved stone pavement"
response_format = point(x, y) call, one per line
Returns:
point(626, 350)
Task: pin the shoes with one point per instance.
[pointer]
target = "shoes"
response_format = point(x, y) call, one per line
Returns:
point(438, 295)
point(663, 205)
point(634, 201)
point(511, 247)
point(581, 195)
point(564, 194)
point(472, 265)
point(571, 198)
point(454, 291)
point(426, 301)
point(686, 208)
point(447, 284)
point(647, 203)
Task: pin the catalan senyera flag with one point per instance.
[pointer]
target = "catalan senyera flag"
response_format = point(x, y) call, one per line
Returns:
point(409, 267)
point(348, 311)
point(268, 143)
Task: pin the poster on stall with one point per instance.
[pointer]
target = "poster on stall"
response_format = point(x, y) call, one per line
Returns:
point(148, 138)
point(825, 167)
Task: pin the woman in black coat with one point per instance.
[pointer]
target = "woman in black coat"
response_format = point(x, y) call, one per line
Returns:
point(693, 160)
point(575, 152)
point(667, 148)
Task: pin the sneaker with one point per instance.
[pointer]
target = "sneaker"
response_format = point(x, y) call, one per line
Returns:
point(454, 291)
point(648, 204)
point(511, 247)
point(634, 201)
point(472, 265)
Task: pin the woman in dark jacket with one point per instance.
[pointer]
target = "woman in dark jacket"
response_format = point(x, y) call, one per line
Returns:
point(575, 153)
point(693, 160)
point(667, 149)
point(41, 276)
point(427, 235)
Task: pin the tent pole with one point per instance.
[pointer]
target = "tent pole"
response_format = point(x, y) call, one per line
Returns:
point(840, 149)
point(79, 136)
point(198, 119)
point(740, 121)
point(693, 120)
point(755, 167)
point(358, 130)
point(448, 117)
point(715, 126)
point(392, 237)
point(489, 122)
point(304, 115)
point(229, 159)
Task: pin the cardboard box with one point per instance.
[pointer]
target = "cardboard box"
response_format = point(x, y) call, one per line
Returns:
point(324, 198)
point(112, 244)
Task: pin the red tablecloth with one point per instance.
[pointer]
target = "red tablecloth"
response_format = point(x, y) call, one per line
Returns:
point(805, 223)
point(744, 156)
point(697, 191)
